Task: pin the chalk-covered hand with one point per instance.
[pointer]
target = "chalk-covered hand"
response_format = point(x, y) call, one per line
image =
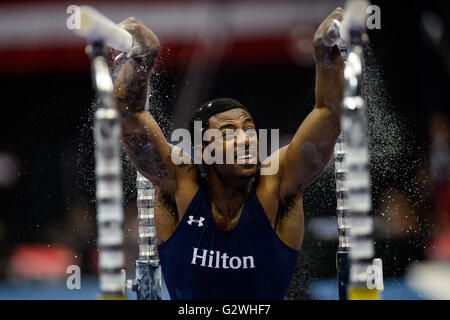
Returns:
point(324, 54)
point(145, 42)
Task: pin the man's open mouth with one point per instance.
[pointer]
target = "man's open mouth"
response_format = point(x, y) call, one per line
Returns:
point(246, 159)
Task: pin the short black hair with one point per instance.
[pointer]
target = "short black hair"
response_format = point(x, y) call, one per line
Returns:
point(210, 108)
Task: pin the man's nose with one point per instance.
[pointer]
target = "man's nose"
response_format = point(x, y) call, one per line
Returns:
point(246, 140)
point(241, 138)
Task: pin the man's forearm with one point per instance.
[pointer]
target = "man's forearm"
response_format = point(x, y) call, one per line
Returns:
point(329, 90)
point(329, 79)
point(329, 68)
point(131, 86)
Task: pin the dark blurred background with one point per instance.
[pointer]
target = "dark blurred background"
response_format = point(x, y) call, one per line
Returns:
point(258, 52)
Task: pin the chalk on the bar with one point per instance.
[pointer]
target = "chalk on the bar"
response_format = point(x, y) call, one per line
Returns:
point(94, 26)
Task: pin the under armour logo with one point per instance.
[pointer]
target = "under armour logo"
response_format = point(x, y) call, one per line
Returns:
point(199, 221)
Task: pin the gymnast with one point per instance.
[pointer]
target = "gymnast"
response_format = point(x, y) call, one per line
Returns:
point(224, 230)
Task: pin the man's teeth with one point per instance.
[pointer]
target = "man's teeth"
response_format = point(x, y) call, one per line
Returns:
point(245, 157)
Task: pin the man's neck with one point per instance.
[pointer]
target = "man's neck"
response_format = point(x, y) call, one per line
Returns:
point(228, 193)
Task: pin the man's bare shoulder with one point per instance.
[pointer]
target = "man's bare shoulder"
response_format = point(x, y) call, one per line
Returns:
point(268, 188)
point(268, 185)
point(268, 179)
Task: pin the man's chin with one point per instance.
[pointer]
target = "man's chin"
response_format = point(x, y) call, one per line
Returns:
point(247, 170)
point(244, 171)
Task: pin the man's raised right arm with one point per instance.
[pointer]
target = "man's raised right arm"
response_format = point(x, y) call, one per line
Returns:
point(143, 139)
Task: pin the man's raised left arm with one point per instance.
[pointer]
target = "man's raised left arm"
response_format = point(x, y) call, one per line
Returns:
point(304, 159)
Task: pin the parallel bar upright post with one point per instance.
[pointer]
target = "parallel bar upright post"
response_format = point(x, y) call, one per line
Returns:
point(147, 284)
point(342, 255)
point(108, 170)
point(356, 163)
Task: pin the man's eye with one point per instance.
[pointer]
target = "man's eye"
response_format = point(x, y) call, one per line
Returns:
point(227, 134)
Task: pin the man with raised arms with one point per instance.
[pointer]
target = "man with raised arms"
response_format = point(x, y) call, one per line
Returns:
point(228, 232)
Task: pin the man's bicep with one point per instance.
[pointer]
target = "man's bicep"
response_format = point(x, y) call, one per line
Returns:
point(304, 159)
point(148, 149)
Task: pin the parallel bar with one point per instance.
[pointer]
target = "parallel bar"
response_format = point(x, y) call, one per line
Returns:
point(356, 160)
point(353, 192)
point(94, 26)
point(108, 172)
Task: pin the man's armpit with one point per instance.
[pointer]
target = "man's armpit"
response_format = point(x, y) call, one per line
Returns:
point(166, 200)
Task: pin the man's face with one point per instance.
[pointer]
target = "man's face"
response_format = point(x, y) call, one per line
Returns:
point(238, 133)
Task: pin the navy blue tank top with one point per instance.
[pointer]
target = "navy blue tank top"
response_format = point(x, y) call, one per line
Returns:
point(201, 261)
